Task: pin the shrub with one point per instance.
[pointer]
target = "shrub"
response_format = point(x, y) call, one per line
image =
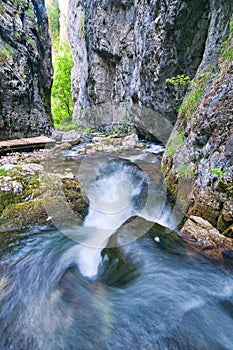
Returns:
point(180, 79)
point(218, 172)
point(3, 172)
point(192, 99)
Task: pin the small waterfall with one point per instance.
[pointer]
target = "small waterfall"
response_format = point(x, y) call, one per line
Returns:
point(118, 187)
point(114, 197)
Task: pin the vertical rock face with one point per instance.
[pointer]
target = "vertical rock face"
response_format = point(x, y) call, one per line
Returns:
point(63, 6)
point(125, 50)
point(205, 146)
point(25, 69)
point(205, 153)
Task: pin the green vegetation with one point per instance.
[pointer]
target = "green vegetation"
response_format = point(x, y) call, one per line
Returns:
point(81, 25)
point(123, 127)
point(185, 170)
point(192, 99)
point(227, 52)
point(3, 56)
point(61, 97)
point(16, 4)
point(218, 172)
point(3, 172)
point(30, 41)
point(29, 12)
point(180, 79)
point(67, 126)
point(6, 53)
point(175, 141)
point(2, 9)
point(62, 107)
point(54, 24)
point(229, 189)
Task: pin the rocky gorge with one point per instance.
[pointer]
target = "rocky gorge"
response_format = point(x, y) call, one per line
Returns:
point(124, 53)
point(118, 234)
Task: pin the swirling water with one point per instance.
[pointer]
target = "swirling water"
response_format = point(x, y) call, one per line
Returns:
point(150, 296)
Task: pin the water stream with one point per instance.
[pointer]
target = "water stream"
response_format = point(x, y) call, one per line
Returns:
point(148, 294)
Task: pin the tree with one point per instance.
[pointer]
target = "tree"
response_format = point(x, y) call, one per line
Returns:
point(62, 107)
point(54, 23)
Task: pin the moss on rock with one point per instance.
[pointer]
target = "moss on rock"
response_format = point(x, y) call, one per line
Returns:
point(24, 214)
point(24, 202)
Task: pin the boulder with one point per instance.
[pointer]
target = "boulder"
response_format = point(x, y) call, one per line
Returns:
point(201, 233)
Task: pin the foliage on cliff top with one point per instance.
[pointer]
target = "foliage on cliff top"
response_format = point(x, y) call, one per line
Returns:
point(54, 24)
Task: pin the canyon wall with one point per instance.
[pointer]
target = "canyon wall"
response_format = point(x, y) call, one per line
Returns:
point(200, 147)
point(125, 50)
point(25, 69)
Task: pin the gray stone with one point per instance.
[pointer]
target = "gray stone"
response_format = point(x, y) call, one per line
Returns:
point(125, 50)
point(25, 70)
point(64, 146)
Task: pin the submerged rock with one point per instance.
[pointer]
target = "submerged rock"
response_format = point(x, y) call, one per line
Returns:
point(120, 265)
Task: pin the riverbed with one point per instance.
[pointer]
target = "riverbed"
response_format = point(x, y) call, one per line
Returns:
point(60, 289)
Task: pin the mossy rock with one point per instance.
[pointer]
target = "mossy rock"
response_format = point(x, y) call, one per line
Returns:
point(76, 196)
point(24, 214)
point(30, 188)
point(7, 198)
point(19, 213)
point(171, 182)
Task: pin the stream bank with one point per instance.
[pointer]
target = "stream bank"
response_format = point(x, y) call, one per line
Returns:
point(22, 196)
point(26, 197)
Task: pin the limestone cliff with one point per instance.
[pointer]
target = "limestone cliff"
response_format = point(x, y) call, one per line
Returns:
point(201, 144)
point(25, 69)
point(125, 50)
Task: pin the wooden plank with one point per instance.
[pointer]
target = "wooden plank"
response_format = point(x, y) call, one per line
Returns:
point(25, 144)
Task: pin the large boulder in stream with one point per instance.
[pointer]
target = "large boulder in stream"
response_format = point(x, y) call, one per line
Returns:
point(121, 262)
point(120, 265)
